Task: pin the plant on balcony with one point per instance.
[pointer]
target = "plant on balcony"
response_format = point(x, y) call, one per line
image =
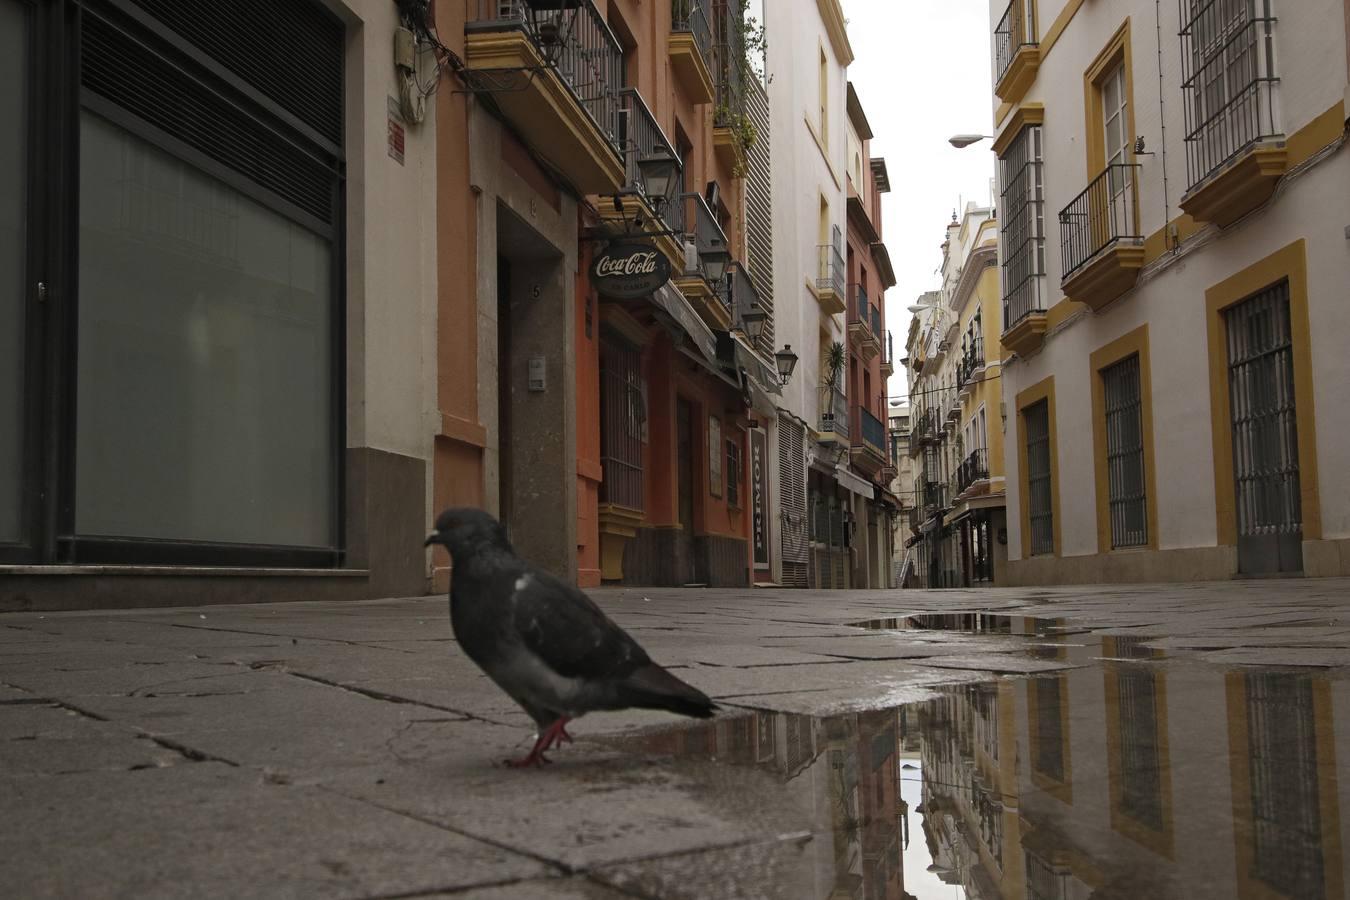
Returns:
point(834, 363)
point(748, 44)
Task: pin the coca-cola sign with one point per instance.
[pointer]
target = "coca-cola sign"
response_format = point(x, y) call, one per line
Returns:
point(629, 271)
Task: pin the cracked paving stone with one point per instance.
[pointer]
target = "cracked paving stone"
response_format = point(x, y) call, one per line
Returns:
point(259, 839)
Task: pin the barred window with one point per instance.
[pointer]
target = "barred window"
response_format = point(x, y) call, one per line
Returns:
point(1227, 50)
point(1023, 212)
point(1125, 453)
point(1037, 420)
point(733, 474)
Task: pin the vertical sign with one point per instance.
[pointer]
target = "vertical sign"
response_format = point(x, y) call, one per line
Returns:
point(396, 132)
point(759, 498)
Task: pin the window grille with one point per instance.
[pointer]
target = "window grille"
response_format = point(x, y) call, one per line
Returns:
point(1039, 485)
point(1023, 204)
point(1125, 453)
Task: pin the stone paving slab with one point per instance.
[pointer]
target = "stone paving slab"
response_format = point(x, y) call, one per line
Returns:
point(351, 750)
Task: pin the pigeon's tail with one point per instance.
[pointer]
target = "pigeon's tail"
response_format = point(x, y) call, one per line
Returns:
point(652, 687)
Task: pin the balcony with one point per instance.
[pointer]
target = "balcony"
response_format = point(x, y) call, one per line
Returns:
point(927, 429)
point(888, 356)
point(833, 413)
point(868, 450)
point(729, 114)
point(1017, 52)
point(932, 497)
point(829, 287)
point(691, 50)
point(1024, 321)
point(699, 227)
point(860, 334)
point(973, 470)
point(970, 366)
point(640, 137)
point(566, 111)
point(1235, 149)
point(1101, 246)
point(876, 325)
point(741, 293)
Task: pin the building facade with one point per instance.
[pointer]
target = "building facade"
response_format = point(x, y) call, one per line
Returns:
point(218, 269)
point(807, 104)
point(1173, 256)
point(955, 369)
point(902, 488)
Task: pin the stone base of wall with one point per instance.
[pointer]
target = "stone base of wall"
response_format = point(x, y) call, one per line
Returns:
point(668, 557)
point(1321, 559)
point(1133, 566)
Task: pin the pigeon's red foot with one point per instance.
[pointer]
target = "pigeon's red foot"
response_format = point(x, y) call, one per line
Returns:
point(535, 759)
point(552, 736)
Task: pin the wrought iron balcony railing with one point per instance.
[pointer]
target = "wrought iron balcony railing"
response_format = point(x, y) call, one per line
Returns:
point(973, 468)
point(740, 293)
point(833, 411)
point(729, 35)
point(972, 358)
point(639, 137)
point(1229, 81)
point(1017, 29)
point(933, 495)
point(831, 272)
point(688, 16)
point(857, 304)
point(873, 431)
point(589, 62)
point(698, 224)
point(1107, 211)
point(876, 320)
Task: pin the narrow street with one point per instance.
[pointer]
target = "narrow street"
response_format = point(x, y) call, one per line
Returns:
point(1142, 741)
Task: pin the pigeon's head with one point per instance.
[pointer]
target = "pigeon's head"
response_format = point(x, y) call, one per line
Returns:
point(465, 530)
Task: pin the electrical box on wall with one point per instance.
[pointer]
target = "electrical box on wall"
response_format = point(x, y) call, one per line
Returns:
point(538, 374)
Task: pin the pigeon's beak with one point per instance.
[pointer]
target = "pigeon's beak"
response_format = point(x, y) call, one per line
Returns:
point(433, 538)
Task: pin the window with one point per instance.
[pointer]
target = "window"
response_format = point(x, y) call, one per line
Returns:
point(1039, 487)
point(824, 99)
point(200, 273)
point(733, 474)
point(623, 424)
point(1023, 200)
point(1227, 52)
point(1125, 453)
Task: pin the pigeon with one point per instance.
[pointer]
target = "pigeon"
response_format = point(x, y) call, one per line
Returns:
point(542, 641)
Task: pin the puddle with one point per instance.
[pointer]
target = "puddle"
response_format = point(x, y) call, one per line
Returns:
point(1119, 781)
point(974, 623)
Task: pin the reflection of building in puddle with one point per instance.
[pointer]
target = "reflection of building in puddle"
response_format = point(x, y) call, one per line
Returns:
point(843, 770)
point(1112, 782)
point(1127, 779)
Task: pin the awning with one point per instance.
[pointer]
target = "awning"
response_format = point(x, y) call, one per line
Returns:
point(759, 370)
point(854, 483)
point(669, 298)
point(760, 401)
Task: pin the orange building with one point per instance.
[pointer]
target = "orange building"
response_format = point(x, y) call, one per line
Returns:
point(590, 228)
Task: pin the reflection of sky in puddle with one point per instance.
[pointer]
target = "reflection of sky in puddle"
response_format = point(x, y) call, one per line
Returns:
point(1118, 780)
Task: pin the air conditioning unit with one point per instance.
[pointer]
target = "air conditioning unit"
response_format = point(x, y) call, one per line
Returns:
point(692, 266)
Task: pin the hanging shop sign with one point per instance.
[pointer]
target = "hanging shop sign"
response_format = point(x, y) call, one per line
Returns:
point(759, 495)
point(629, 271)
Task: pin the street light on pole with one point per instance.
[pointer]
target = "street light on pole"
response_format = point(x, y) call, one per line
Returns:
point(965, 140)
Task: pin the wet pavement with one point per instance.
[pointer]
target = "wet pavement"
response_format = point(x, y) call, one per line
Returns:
point(1073, 743)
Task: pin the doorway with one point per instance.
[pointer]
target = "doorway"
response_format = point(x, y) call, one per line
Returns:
point(1265, 434)
point(504, 389)
point(684, 426)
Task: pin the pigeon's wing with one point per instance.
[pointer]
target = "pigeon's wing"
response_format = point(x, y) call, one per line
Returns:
point(568, 631)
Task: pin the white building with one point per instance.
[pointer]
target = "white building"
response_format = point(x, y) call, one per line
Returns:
point(807, 58)
point(1174, 201)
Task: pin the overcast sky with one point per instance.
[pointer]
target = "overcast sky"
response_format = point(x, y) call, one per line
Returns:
point(922, 72)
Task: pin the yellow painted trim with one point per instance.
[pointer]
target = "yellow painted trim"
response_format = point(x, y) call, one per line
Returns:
point(1116, 52)
point(1289, 263)
point(1041, 390)
point(1057, 27)
point(690, 67)
point(1160, 842)
point(1002, 113)
point(1024, 115)
point(832, 14)
point(1129, 344)
point(824, 154)
point(1328, 793)
point(1061, 790)
point(1319, 132)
